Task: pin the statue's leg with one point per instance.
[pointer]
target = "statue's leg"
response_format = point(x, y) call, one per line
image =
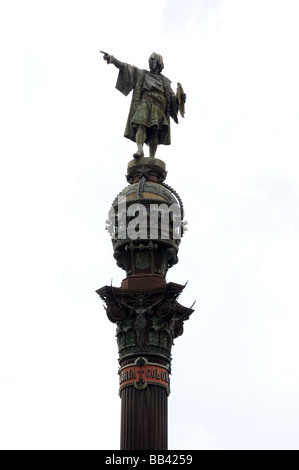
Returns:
point(153, 143)
point(140, 139)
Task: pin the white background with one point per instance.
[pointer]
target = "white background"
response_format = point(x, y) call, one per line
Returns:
point(234, 162)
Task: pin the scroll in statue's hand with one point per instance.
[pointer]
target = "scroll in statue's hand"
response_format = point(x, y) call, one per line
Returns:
point(181, 97)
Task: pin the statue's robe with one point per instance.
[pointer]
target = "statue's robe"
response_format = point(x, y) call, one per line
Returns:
point(131, 78)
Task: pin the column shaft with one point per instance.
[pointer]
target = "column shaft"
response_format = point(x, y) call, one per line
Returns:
point(144, 418)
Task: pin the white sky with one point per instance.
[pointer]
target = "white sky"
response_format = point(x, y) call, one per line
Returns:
point(233, 160)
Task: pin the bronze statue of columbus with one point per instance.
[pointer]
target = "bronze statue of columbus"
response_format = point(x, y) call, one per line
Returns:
point(153, 103)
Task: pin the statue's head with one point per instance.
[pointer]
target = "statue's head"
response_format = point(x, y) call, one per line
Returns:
point(140, 302)
point(156, 60)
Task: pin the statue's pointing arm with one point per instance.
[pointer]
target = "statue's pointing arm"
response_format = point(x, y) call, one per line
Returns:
point(127, 74)
point(110, 59)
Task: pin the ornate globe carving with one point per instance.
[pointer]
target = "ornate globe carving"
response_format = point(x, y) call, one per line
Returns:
point(146, 221)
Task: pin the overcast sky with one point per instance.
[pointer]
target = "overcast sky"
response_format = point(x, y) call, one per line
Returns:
point(234, 162)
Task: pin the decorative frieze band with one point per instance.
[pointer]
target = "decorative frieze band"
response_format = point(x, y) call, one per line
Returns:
point(142, 372)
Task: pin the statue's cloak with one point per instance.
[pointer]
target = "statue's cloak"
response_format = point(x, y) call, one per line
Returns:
point(131, 78)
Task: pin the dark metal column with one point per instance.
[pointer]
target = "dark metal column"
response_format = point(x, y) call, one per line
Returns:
point(144, 418)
